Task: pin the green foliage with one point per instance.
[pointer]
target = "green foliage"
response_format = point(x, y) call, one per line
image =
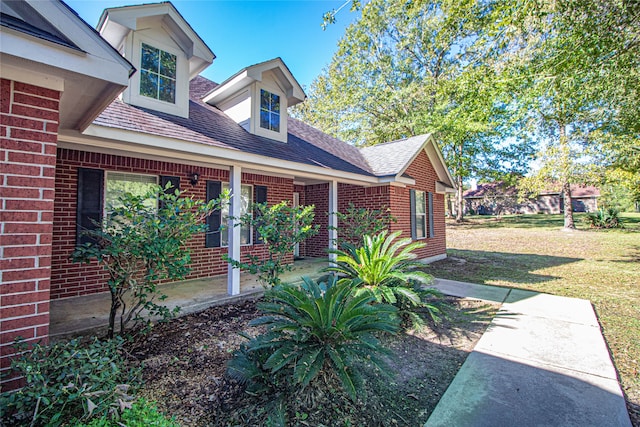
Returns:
point(387, 268)
point(141, 414)
point(139, 245)
point(280, 227)
point(314, 331)
point(357, 222)
point(67, 382)
point(604, 218)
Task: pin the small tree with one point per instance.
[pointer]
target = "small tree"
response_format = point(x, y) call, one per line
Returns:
point(280, 227)
point(358, 222)
point(139, 245)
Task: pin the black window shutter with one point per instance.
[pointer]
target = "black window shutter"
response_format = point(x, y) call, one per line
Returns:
point(412, 213)
point(261, 197)
point(212, 240)
point(430, 212)
point(175, 184)
point(90, 203)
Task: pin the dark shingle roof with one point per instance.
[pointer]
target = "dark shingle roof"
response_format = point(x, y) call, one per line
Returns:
point(208, 125)
point(37, 28)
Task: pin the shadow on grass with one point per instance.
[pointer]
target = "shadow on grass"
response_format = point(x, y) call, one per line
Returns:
point(632, 257)
point(482, 266)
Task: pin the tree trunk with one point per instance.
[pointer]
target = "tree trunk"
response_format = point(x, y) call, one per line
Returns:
point(566, 185)
point(115, 304)
point(459, 200)
point(568, 208)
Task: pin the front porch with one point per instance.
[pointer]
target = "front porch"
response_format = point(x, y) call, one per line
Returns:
point(78, 315)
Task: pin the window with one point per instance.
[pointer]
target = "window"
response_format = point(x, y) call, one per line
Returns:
point(269, 111)
point(118, 183)
point(418, 214)
point(158, 74)
point(246, 196)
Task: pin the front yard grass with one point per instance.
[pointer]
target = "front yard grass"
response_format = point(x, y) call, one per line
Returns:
point(532, 252)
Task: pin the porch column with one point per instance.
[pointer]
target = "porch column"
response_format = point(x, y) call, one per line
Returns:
point(333, 219)
point(233, 275)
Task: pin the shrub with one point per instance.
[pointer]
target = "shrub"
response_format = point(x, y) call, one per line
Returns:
point(316, 330)
point(139, 244)
point(604, 218)
point(387, 267)
point(280, 227)
point(67, 382)
point(141, 414)
point(358, 222)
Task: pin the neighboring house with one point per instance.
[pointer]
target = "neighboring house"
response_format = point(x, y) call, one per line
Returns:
point(85, 113)
point(488, 198)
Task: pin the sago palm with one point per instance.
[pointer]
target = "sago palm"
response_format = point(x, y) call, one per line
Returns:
point(387, 266)
point(314, 329)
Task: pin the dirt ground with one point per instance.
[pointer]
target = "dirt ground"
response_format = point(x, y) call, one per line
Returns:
point(185, 362)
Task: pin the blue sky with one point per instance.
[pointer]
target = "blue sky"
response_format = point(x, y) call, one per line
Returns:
point(242, 33)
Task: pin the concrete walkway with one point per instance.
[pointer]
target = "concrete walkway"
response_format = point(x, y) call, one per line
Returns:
point(541, 362)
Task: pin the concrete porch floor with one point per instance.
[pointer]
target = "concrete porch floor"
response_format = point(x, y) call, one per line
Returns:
point(78, 315)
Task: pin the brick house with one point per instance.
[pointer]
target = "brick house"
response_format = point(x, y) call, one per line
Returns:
point(86, 113)
point(486, 198)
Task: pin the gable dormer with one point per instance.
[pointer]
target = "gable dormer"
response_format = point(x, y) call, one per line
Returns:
point(165, 50)
point(257, 98)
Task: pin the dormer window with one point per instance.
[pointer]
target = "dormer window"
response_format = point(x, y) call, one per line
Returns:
point(269, 111)
point(158, 74)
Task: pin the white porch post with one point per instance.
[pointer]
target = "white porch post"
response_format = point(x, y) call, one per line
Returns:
point(333, 219)
point(233, 275)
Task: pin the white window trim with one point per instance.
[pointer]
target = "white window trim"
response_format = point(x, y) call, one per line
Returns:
point(255, 127)
point(224, 221)
point(106, 179)
point(132, 95)
point(424, 215)
point(157, 72)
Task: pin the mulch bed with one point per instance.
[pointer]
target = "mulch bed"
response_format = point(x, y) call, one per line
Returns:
point(185, 363)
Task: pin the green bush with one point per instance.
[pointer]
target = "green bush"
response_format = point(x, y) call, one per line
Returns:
point(357, 222)
point(316, 330)
point(604, 218)
point(387, 267)
point(141, 414)
point(68, 382)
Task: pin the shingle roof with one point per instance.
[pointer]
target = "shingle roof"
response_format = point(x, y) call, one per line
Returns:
point(208, 125)
point(391, 158)
point(34, 27)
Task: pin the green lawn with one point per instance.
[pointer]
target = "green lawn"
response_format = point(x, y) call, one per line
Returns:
point(532, 252)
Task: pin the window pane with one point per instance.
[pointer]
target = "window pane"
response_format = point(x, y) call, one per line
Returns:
point(167, 89)
point(264, 99)
point(120, 183)
point(274, 122)
point(168, 64)
point(264, 119)
point(275, 103)
point(420, 202)
point(421, 229)
point(246, 197)
point(149, 58)
point(148, 84)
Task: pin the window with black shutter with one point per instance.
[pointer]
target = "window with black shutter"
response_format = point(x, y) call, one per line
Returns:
point(175, 185)
point(212, 240)
point(90, 203)
point(261, 197)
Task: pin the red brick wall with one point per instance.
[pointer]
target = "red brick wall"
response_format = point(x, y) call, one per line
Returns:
point(377, 197)
point(318, 195)
point(73, 279)
point(300, 189)
point(425, 175)
point(28, 135)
